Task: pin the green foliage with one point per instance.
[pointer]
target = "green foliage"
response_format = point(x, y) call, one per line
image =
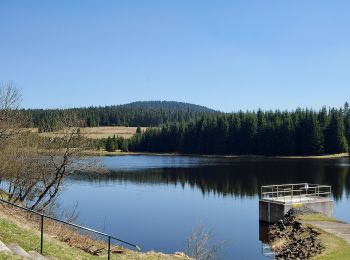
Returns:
point(347, 122)
point(111, 144)
point(301, 132)
point(335, 134)
point(144, 114)
point(185, 128)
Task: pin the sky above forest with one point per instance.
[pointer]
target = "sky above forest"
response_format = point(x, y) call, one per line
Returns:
point(227, 55)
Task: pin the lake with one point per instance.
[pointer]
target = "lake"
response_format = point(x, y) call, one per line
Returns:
point(156, 201)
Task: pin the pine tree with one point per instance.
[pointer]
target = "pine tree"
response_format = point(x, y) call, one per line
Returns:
point(347, 123)
point(335, 134)
point(309, 135)
point(114, 143)
point(110, 144)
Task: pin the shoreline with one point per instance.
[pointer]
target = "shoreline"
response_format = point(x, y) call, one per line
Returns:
point(119, 153)
point(309, 235)
point(18, 227)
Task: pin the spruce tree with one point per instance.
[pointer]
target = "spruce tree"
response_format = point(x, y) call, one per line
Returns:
point(335, 134)
point(309, 135)
point(108, 144)
point(347, 123)
point(114, 143)
point(111, 144)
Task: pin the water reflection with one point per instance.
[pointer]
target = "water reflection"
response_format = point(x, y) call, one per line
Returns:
point(157, 200)
point(234, 177)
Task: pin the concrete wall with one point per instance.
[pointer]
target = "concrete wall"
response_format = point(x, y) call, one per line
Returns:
point(272, 211)
point(324, 207)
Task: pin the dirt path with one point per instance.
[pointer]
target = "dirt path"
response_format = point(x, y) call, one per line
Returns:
point(339, 229)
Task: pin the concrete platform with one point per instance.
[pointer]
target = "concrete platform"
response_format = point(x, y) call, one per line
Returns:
point(271, 211)
point(296, 199)
point(276, 200)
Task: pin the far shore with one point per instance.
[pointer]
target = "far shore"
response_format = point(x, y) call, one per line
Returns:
point(120, 153)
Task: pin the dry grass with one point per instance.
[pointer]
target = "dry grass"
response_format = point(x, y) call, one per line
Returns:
point(278, 244)
point(56, 230)
point(99, 132)
point(17, 226)
point(317, 217)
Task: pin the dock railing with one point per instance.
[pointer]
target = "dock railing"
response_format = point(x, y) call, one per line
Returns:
point(43, 217)
point(295, 192)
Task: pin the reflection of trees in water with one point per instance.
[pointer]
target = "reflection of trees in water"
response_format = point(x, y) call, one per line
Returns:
point(240, 178)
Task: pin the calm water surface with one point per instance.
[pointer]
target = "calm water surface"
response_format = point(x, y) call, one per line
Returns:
point(156, 201)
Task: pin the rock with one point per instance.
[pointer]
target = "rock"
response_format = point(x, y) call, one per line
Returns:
point(299, 242)
point(17, 250)
point(4, 248)
point(181, 254)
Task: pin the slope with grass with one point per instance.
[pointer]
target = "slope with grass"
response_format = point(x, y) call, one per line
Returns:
point(336, 248)
point(20, 229)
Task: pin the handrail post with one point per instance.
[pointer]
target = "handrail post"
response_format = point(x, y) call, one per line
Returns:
point(42, 234)
point(109, 247)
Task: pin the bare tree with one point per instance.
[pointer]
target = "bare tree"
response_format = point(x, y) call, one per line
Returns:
point(12, 120)
point(34, 167)
point(200, 246)
point(37, 168)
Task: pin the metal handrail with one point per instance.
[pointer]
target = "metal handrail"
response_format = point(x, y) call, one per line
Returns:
point(298, 190)
point(43, 216)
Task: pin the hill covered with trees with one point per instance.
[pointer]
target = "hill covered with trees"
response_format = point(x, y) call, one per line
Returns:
point(191, 129)
point(299, 132)
point(142, 113)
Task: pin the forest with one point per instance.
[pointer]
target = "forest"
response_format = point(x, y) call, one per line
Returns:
point(176, 127)
point(144, 114)
point(299, 132)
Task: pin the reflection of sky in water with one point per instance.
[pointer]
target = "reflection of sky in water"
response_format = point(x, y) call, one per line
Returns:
point(161, 161)
point(344, 164)
point(157, 200)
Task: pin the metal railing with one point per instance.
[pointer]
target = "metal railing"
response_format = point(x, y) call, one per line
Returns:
point(295, 192)
point(43, 216)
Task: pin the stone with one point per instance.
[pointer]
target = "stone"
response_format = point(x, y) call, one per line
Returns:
point(4, 248)
point(17, 250)
point(36, 256)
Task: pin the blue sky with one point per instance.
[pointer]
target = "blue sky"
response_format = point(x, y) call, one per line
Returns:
point(227, 55)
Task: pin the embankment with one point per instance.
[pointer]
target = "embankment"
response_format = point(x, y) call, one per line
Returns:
point(62, 242)
point(302, 234)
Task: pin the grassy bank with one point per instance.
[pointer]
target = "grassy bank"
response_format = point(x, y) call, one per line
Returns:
point(18, 228)
point(335, 247)
point(30, 240)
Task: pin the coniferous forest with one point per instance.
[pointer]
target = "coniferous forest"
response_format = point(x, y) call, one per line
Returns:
point(144, 114)
point(190, 129)
point(300, 132)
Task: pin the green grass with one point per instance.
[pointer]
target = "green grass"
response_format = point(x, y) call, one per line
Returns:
point(317, 217)
point(4, 256)
point(336, 248)
point(30, 240)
